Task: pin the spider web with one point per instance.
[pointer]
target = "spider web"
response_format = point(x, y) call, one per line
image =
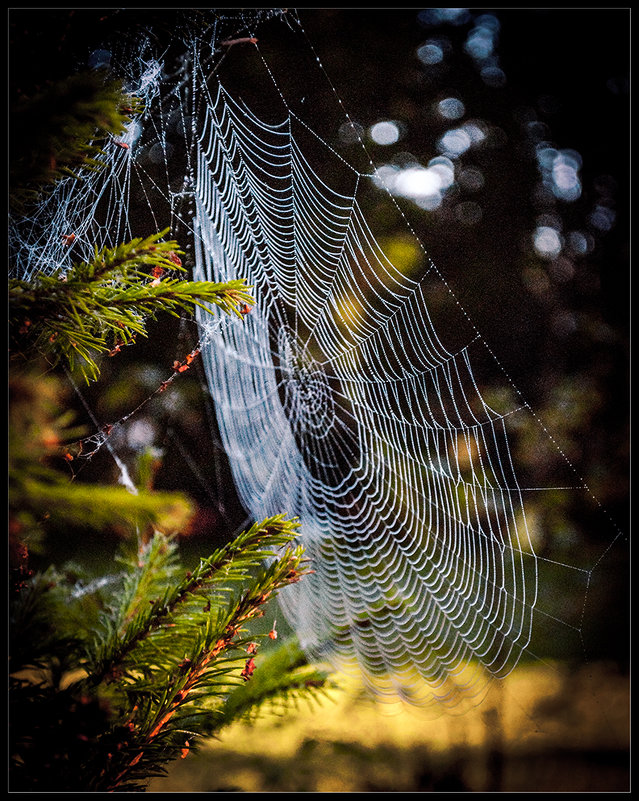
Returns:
point(337, 400)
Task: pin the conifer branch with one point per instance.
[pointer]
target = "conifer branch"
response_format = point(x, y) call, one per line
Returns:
point(284, 679)
point(166, 662)
point(104, 304)
point(138, 617)
point(114, 677)
point(63, 129)
point(99, 507)
point(164, 712)
point(157, 670)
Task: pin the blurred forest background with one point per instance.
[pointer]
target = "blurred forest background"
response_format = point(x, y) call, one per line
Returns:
point(504, 136)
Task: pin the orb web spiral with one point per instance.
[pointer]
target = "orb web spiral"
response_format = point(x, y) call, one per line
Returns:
point(338, 403)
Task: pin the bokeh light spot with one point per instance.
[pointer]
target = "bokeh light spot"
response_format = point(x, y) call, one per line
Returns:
point(454, 142)
point(458, 140)
point(451, 108)
point(560, 171)
point(351, 133)
point(493, 76)
point(562, 270)
point(141, 434)
point(430, 53)
point(479, 44)
point(385, 133)
point(417, 182)
point(443, 16)
point(547, 241)
point(580, 243)
point(537, 281)
point(425, 186)
point(471, 179)
point(564, 323)
point(602, 217)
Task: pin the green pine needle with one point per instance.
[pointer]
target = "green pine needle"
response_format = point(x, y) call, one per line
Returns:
point(102, 305)
point(63, 130)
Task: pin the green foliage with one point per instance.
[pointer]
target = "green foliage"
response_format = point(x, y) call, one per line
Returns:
point(42, 496)
point(101, 306)
point(146, 663)
point(284, 679)
point(113, 676)
point(63, 128)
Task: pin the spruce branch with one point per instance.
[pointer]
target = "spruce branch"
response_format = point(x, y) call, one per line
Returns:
point(284, 680)
point(58, 500)
point(167, 662)
point(138, 616)
point(115, 676)
point(153, 669)
point(63, 129)
point(102, 305)
point(180, 710)
point(43, 635)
